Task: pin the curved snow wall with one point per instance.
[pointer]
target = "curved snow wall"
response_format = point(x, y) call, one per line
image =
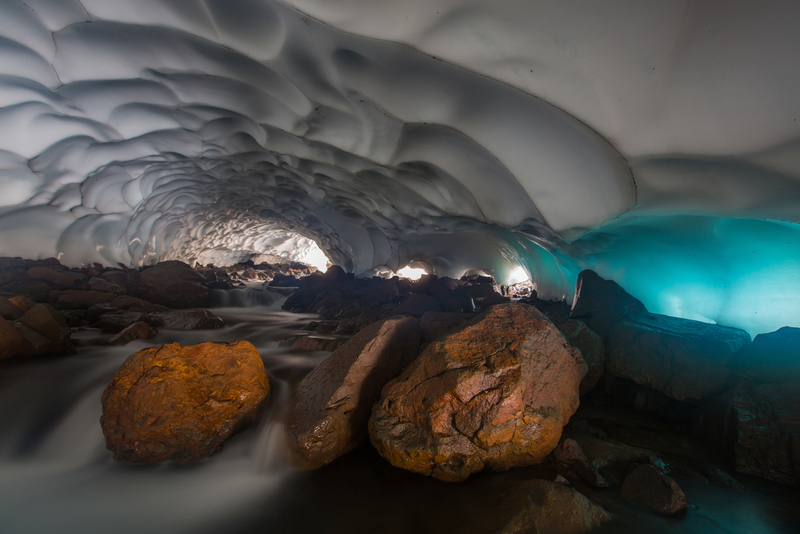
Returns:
point(656, 144)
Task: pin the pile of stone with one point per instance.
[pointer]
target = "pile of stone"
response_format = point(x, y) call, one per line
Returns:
point(278, 274)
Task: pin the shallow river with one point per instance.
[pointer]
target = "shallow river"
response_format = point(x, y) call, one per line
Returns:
point(56, 475)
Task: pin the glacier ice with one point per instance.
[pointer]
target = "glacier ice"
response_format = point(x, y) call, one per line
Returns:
point(658, 145)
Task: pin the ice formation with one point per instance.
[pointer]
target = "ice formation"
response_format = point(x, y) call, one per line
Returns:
point(657, 144)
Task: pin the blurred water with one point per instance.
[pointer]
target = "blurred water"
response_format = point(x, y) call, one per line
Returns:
point(56, 475)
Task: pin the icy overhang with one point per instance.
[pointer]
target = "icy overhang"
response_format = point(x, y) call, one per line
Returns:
point(657, 144)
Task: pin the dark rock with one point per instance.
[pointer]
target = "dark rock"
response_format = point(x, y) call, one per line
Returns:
point(772, 357)
point(568, 452)
point(172, 284)
point(440, 287)
point(329, 413)
point(140, 330)
point(8, 311)
point(335, 275)
point(73, 299)
point(602, 303)
point(101, 284)
point(417, 304)
point(759, 430)
point(11, 270)
point(197, 319)
point(436, 324)
point(49, 324)
point(22, 303)
point(687, 360)
point(117, 322)
point(721, 478)
point(51, 277)
point(182, 403)
point(541, 506)
point(10, 340)
point(132, 303)
point(121, 279)
point(646, 486)
point(480, 291)
point(220, 284)
point(589, 474)
point(282, 280)
point(492, 300)
point(36, 290)
point(592, 349)
point(457, 301)
point(494, 394)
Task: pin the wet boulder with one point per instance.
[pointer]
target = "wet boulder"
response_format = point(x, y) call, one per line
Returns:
point(136, 331)
point(50, 276)
point(329, 413)
point(647, 486)
point(686, 360)
point(101, 284)
point(182, 403)
point(197, 319)
point(74, 299)
point(602, 303)
point(172, 284)
point(493, 394)
point(117, 322)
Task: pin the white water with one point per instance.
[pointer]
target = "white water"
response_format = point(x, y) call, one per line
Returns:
point(56, 475)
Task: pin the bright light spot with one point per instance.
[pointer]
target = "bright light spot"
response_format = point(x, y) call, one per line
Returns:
point(315, 257)
point(516, 276)
point(408, 272)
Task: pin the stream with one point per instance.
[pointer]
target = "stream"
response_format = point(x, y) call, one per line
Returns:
point(56, 475)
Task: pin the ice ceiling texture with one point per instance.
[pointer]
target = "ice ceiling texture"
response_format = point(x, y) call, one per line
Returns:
point(655, 142)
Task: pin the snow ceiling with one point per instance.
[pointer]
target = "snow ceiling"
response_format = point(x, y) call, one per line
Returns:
point(655, 142)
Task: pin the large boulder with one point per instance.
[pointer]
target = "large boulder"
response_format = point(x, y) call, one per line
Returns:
point(8, 311)
point(140, 330)
point(435, 324)
point(602, 303)
point(330, 410)
point(11, 269)
point(74, 299)
point(182, 403)
point(493, 394)
point(52, 277)
point(686, 360)
point(172, 284)
point(758, 430)
point(592, 349)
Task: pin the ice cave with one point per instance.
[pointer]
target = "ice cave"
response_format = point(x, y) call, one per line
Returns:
point(646, 150)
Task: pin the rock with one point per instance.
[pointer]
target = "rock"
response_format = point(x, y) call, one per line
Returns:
point(334, 275)
point(602, 303)
point(772, 357)
point(140, 330)
point(10, 340)
point(436, 324)
point(416, 305)
point(687, 360)
point(220, 284)
point(758, 430)
point(172, 284)
point(132, 303)
point(49, 324)
point(22, 303)
point(197, 319)
point(440, 287)
point(50, 276)
point(182, 403)
point(36, 290)
point(282, 280)
point(541, 506)
point(73, 299)
point(568, 452)
point(11, 270)
point(457, 301)
point(117, 322)
point(592, 349)
point(589, 474)
point(122, 279)
point(646, 486)
point(494, 394)
point(8, 311)
point(721, 478)
point(101, 284)
point(311, 344)
point(330, 410)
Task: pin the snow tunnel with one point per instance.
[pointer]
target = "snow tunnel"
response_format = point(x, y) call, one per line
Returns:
point(655, 144)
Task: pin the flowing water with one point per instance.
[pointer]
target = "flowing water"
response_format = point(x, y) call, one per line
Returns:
point(56, 475)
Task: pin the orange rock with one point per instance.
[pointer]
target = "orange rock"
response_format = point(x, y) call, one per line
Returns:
point(182, 403)
point(494, 394)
